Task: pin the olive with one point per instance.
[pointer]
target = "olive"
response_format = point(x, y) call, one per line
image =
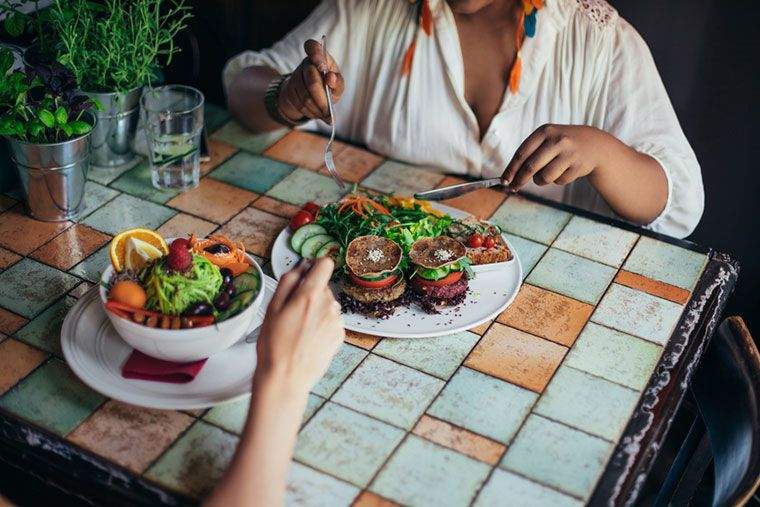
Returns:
point(218, 248)
point(226, 276)
point(199, 309)
point(229, 289)
point(222, 301)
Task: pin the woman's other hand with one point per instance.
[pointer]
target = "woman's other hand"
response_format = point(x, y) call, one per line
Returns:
point(303, 328)
point(303, 93)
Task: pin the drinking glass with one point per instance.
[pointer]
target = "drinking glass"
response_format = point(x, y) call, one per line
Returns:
point(173, 119)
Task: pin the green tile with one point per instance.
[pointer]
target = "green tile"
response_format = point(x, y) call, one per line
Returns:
point(388, 391)
point(530, 219)
point(425, 474)
point(137, 181)
point(252, 172)
point(402, 179)
point(195, 462)
point(93, 266)
point(28, 287)
point(598, 350)
point(506, 488)
point(557, 456)
point(439, 356)
point(53, 398)
point(346, 444)
point(483, 404)
point(232, 416)
point(44, 331)
point(587, 403)
point(573, 276)
point(310, 488)
point(667, 263)
point(344, 362)
point(234, 133)
point(637, 313)
point(528, 251)
point(214, 116)
point(105, 175)
point(596, 241)
point(302, 186)
point(95, 195)
point(126, 212)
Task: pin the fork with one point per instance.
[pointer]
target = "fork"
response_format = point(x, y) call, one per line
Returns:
point(329, 161)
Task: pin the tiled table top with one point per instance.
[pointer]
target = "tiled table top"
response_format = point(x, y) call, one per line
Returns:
point(529, 409)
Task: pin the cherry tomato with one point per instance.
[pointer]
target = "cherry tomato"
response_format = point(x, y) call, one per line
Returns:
point(311, 207)
point(300, 219)
point(489, 242)
point(373, 284)
point(475, 241)
point(452, 277)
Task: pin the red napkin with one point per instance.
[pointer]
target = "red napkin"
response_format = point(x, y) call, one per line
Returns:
point(142, 367)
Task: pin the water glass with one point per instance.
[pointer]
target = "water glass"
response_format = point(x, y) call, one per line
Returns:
point(173, 119)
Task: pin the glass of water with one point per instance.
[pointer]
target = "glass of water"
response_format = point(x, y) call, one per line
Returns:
point(173, 119)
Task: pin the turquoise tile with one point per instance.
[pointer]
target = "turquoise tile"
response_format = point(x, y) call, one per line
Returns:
point(667, 263)
point(44, 331)
point(558, 456)
point(598, 350)
point(232, 416)
point(95, 196)
point(573, 276)
point(302, 186)
point(402, 179)
point(196, 461)
point(530, 219)
point(439, 356)
point(252, 172)
point(214, 116)
point(422, 473)
point(310, 488)
point(483, 404)
point(53, 398)
point(313, 403)
point(344, 362)
point(93, 266)
point(637, 313)
point(506, 488)
point(529, 252)
point(388, 391)
point(137, 181)
point(28, 287)
point(346, 444)
point(126, 212)
point(587, 403)
point(234, 133)
point(105, 175)
point(596, 241)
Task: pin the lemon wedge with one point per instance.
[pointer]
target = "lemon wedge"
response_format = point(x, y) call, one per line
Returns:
point(138, 253)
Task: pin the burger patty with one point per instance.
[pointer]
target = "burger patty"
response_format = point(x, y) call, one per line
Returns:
point(367, 295)
point(450, 291)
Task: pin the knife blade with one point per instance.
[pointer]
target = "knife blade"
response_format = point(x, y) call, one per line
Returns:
point(440, 194)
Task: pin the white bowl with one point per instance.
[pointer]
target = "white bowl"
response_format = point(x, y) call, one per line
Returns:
point(184, 345)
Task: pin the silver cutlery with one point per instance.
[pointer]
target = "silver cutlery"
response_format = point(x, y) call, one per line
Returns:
point(439, 194)
point(329, 161)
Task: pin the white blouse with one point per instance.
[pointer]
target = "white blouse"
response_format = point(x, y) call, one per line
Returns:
point(585, 65)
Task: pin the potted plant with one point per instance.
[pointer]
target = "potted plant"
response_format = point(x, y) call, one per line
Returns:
point(114, 48)
point(47, 125)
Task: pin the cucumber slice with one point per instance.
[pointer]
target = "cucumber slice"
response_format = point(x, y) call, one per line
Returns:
point(312, 245)
point(331, 249)
point(303, 233)
point(239, 303)
point(246, 281)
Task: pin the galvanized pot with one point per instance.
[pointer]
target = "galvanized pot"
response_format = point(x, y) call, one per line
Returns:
point(53, 176)
point(117, 121)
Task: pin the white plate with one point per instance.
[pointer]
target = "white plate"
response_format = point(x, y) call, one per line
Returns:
point(491, 291)
point(96, 353)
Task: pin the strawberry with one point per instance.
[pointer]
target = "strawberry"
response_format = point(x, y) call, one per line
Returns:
point(179, 258)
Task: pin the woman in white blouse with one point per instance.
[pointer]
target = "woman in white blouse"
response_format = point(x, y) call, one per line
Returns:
point(562, 99)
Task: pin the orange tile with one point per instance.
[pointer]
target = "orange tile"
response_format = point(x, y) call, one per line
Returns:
point(275, 206)
point(460, 440)
point(370, 499)
point(481, 203)
point(23, 234)
point(653, 287)
point(517, 357)
point(213, 200)
point(8, 258)
point(17, 360)
point(10, 322)
point(132, 437)
point(256, 229)
point(547, 314)
point(303, 149)
point(354, 164)
point(219, 151)
point(182, 224)
point(481, 329)
point(365, 341)
point(70, 247)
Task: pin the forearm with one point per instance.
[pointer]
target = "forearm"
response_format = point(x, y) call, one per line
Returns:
point(246, 98)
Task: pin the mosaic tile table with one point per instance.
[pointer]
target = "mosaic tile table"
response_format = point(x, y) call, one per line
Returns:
point(561, 401)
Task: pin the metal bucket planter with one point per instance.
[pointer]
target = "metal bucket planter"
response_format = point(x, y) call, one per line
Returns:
point(53, 176)
point(114, 133)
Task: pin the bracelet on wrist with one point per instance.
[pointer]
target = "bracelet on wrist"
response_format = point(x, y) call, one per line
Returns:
point(271, 102)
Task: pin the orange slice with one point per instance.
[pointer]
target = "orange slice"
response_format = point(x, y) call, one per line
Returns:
point(134, 248)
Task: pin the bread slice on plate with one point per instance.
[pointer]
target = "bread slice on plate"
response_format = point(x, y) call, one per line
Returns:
point(499, 253)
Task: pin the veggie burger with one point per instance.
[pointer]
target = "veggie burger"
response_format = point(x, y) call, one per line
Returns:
point(441, 271)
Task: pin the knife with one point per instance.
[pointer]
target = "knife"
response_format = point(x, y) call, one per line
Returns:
point(439, 194)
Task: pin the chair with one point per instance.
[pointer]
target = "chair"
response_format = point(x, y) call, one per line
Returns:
point(726, 434)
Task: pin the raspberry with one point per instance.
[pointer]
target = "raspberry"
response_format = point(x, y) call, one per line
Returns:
point(179, 258)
